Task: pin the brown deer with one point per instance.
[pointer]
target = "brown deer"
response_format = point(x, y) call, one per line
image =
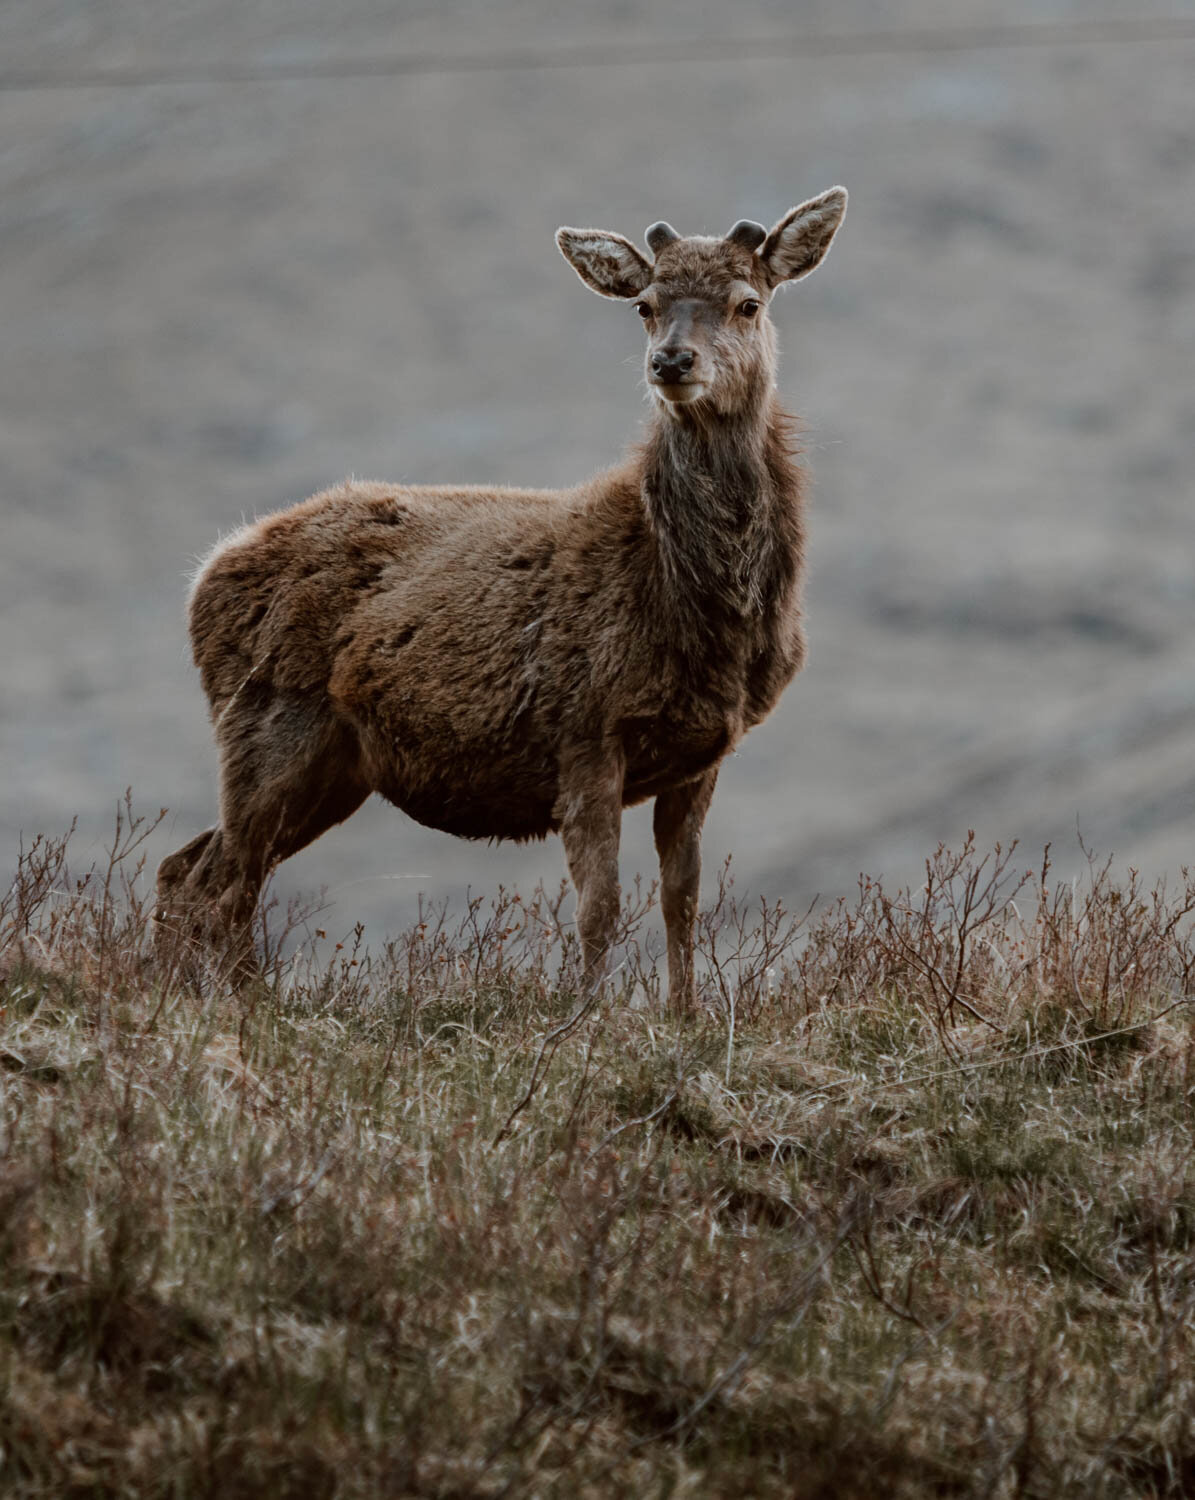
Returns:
point(505, 663)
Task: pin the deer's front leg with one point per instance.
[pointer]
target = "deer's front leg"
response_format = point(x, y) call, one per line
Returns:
point(589, 809)
point(679, 814)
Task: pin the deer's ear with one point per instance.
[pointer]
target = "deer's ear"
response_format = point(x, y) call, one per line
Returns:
point(606, 262)
point(800, 240)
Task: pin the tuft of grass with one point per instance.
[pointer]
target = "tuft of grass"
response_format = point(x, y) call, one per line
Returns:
point(906, 1208)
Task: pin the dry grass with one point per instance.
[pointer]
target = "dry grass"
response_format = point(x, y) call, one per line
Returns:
point(908, 1209)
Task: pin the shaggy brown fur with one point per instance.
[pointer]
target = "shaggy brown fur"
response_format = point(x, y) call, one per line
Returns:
point(505, 663)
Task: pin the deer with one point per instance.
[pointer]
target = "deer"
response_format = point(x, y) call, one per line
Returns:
point(505, 663)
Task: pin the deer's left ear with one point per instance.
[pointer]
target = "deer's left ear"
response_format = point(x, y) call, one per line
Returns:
point(800, 240)
point(606, 262)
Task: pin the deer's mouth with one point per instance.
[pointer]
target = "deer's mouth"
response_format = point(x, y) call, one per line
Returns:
point(678, 392)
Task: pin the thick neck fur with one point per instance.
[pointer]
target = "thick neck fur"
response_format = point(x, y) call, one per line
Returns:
point(723, 497)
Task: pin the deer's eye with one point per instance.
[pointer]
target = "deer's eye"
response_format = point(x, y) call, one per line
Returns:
point(643, 309)
point(749, 308)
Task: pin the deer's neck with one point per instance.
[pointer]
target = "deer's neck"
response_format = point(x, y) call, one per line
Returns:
point(723, 499)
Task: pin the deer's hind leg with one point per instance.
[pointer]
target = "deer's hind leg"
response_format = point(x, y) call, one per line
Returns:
point(289, 771)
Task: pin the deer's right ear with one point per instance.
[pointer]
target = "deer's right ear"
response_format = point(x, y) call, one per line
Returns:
point(606, 262)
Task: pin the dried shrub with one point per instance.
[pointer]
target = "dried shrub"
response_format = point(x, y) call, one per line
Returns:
point(907, 1208)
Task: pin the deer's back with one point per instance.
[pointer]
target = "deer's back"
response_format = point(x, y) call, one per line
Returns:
point(289, 592)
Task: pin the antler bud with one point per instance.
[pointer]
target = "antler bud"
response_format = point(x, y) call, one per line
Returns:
point(659, 235)
point(748, 233)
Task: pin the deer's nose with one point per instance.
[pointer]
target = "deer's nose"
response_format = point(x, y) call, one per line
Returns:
point(671, 365)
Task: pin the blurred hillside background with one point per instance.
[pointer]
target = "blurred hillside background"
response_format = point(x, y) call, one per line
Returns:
point(249, 248)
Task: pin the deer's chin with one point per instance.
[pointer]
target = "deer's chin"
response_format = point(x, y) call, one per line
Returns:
point(678, 395)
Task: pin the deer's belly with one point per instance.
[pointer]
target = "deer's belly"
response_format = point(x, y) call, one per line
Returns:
point(467, 756)
point(501, 799)
point(509, 796)
point(500, 779)
point(666, 750)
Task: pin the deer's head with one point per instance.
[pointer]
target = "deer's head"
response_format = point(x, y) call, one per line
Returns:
point(704, 302)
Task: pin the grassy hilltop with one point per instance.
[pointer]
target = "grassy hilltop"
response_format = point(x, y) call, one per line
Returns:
point(907, 1209)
